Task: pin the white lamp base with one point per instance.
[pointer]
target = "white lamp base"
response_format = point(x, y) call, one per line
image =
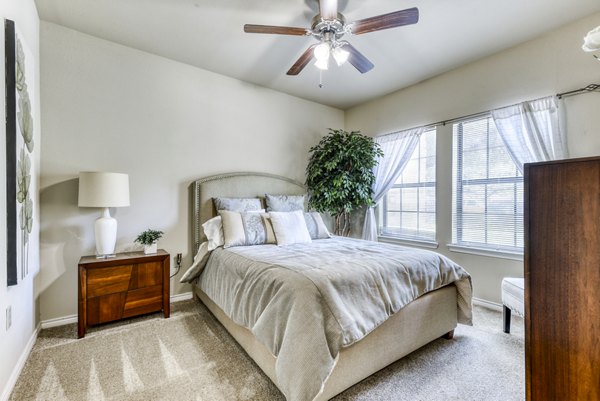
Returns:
point(106, 235)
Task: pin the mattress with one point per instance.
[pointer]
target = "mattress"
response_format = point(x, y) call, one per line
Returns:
point(306, 302)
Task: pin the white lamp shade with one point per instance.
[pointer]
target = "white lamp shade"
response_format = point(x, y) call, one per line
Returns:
point(98, 189)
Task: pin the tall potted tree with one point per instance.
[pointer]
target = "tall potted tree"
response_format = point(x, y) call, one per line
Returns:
point(339, 175)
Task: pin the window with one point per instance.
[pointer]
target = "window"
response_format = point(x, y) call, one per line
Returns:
point(487, 189)
point(408, 209)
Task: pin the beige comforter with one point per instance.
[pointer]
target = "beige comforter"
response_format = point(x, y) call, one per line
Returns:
point(306, 301)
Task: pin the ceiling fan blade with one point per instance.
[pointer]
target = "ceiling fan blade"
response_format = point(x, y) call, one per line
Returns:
point(279, 30)
point(356, 58)
point(328, 9)
point(386, 21)
point(303, 61)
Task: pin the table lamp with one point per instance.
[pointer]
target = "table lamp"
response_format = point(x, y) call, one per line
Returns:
point(104, 190)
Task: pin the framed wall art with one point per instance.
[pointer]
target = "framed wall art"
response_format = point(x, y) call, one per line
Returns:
point(20, 187)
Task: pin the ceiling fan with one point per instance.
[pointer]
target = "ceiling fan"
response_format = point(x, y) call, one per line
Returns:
point(329, 27)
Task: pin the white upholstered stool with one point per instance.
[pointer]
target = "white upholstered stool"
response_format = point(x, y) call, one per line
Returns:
point(513, 299)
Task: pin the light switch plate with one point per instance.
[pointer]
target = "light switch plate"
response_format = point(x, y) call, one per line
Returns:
point(8, 317)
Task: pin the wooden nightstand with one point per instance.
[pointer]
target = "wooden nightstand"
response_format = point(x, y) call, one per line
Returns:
point(127, 285)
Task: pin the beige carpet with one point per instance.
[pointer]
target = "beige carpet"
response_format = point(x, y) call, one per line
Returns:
point(190, 356)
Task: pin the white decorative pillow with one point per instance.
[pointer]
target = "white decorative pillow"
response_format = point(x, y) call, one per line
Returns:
point(316, 227)
point(237, 204)
point(213, 229)
point(246, 228)
point(290, 227)
point(284, 203)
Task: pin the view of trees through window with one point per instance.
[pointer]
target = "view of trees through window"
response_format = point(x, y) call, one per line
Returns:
point(488, 189)
point(408, 209)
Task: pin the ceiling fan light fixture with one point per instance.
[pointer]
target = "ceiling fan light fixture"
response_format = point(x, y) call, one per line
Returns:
point(591, 42)
point(321, 51)
point(322, 64)
point(329, 9)
point(340, 55)
point(329, 27)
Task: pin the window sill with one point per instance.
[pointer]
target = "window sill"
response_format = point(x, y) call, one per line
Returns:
point(494, 253)
point(409, 242)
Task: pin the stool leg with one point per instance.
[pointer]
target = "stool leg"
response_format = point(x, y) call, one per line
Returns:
point(506, 317)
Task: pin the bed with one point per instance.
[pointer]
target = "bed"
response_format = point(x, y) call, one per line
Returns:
point(432, 315)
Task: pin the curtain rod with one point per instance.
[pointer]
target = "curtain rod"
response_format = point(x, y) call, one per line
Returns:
point(575, 92)
point(587, 89)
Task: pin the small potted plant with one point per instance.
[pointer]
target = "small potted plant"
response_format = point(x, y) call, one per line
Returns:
point(149, 239)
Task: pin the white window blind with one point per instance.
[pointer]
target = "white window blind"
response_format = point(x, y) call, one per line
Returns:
point(408, 209)
point(487, 189)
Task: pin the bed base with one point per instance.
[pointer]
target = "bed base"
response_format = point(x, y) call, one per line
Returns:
point(429, 317)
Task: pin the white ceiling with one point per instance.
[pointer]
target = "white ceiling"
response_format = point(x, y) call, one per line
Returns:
point(209, 34)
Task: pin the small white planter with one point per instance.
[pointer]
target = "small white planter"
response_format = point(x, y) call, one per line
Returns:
point(150, 249)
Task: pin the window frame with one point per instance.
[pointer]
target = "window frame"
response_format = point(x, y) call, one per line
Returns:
point(481, 248)
point(387, 236)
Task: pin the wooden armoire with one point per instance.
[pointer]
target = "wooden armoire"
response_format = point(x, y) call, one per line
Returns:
point(562, 280)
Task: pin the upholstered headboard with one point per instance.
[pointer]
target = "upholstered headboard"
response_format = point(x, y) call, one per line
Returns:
point(233, 185)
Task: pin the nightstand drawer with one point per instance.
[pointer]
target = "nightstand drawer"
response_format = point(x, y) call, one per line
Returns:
point(146, 275)
point(105, 308)
point(108, 280)
point(144, 300)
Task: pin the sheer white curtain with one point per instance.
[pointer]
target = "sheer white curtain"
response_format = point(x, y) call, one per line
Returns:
point(531, 131)
point(397, 150)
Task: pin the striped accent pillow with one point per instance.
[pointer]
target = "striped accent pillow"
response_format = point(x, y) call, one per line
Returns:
point(246, 228)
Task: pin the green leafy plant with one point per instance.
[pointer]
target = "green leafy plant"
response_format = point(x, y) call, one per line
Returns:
point(339, 175)
point(149, 237)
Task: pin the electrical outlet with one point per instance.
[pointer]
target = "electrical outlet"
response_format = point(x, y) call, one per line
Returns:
point(8, 317)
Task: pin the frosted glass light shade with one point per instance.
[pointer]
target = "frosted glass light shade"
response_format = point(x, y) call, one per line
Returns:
point(98, 189)
point(591, 42)
point(321, 52)
point(322, 64)
point(340, 55)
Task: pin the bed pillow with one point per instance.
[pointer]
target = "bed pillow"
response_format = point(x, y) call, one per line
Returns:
point(290, 227)
point(284, 203)
point(246, 228)
point(213, 229)
point(315, 225)
point(198, 265)
point(237, 204)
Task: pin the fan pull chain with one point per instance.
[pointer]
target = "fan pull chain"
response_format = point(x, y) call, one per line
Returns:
point(321, 79)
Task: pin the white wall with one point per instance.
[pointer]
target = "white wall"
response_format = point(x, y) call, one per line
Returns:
point(14, 342)
point(547, 65)
point(112, 108)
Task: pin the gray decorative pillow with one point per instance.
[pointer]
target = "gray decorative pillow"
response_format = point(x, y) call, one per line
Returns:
point(316, 227)
point(237, 204)
point(284, 203)
point(246, 228)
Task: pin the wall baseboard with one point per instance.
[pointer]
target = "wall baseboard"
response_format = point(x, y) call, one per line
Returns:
point(487, 304)
point(12, 380)
point(182, 297)
point(61, 321)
